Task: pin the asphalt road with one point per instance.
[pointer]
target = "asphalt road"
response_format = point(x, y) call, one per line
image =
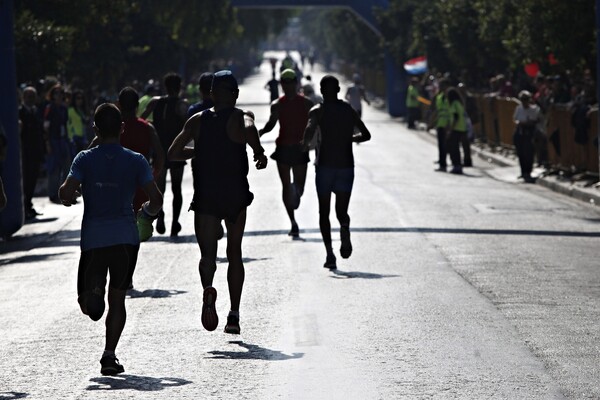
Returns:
point(459, 287)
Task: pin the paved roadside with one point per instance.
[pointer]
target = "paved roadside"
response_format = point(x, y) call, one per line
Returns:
point(583, 190)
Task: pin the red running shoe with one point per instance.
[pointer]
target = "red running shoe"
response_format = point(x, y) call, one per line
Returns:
point(210, 319)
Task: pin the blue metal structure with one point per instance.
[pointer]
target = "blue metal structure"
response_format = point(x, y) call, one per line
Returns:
point(395, 75)
point(12, 218)
point(598, 66)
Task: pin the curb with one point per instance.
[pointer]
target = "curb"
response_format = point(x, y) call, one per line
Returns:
point(554, 183)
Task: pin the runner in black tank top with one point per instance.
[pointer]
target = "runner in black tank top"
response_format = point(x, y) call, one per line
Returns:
point(169, 114)
point(335, 161)
point(220, 169)
point(221, 188)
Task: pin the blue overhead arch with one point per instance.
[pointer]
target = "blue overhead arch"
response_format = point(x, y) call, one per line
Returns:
point(394, 74)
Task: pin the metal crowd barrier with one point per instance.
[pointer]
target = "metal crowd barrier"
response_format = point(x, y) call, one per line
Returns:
point(497, 127)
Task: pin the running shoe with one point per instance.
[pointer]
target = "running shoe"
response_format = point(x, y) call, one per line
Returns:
point(210, 319)
point(111, 366)
point(160, 223)
point(175, 229)
point(233, 325)
point(330, 262)
point(346, 247)
point(295, 231)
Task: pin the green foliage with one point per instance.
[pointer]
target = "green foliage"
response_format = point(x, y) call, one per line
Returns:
point(479, 37)
point(41, 46)
point(110, 43)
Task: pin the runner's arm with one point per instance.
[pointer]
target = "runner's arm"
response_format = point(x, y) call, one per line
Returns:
point(309, 104)
point(272, 118)
point(311, 127)
point(155, 197)
point(179, 150)
point(149, 108)
point(364, 134)
point(68, 191)
point(158, 162)
point(253, 140)
point(363, 94)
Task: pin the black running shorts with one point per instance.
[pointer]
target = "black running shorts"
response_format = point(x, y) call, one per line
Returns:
point(290, 155)
point(94, 264)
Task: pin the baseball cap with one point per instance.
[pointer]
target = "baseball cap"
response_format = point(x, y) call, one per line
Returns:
point(288, 74)
point(224, 78)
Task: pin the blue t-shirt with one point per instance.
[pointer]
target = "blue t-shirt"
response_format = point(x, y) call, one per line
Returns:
point(109, 175)
point(200, 106)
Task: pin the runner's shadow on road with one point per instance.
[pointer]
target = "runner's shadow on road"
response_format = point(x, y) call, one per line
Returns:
point(135, 382)
point(31, 259)
point(12, 395)
point(245, 260)
point(153, 293)
point(337, 274)
point(173, 239)
point(39, 221)
point(38, 240)
point(254, 353)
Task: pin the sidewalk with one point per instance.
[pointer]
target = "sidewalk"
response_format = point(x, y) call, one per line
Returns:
point(47, 230)
point(576, 187)
point(581, 189)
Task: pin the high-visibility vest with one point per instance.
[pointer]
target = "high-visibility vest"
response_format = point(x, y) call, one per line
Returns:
point(457, 116)
point(412, 97)
point(443, 111)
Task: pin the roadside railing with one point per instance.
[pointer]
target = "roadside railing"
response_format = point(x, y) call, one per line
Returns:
point(496, 127)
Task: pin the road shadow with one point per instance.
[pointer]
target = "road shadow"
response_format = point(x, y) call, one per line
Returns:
point(337, 274)
point(40, 220)
point(253, 352)
point(245, 260)
point(460, 231)
point(12, 395)
point(63, 238)
point(153, 293)
point(135, 382)
point(173, 239)
point(31, 258)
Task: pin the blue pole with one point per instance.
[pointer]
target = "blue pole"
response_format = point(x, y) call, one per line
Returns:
point(598, 67)
point(396, 86)
point(11, 219)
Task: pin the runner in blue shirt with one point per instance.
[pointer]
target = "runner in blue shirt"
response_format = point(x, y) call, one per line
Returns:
point(108, 175)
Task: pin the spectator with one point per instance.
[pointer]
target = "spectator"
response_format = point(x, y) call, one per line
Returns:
point(77, 123)
point(32, 147)
point(559, 92)
point(412, 102)
point(526, 117)
point(457, 128)
point(57, 144)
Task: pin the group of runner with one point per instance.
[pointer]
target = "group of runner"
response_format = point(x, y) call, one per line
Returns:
point(117, 218)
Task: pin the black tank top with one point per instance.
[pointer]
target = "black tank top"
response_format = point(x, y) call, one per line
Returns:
point(337, 128)
point(166, 120)
point(220, 166)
